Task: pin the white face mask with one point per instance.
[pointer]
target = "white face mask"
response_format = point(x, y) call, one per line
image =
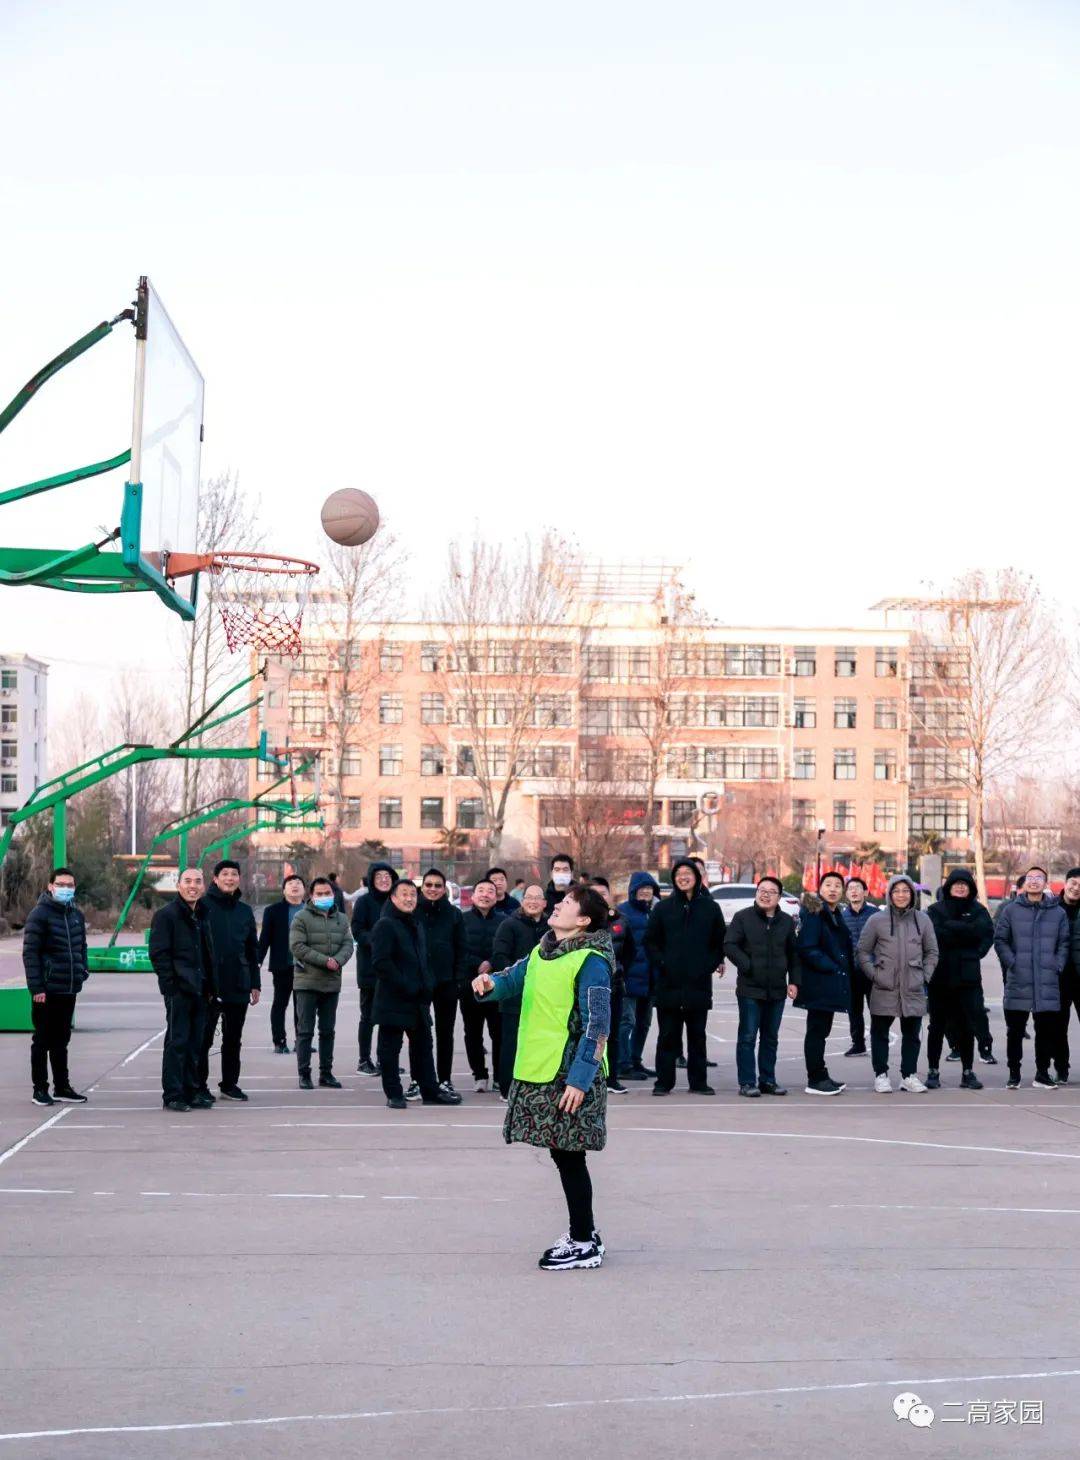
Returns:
point(562, 879)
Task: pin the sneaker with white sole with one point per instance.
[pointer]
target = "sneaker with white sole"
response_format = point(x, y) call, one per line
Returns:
point(568, 1254)
point(482, 1086)
point(824, 1087)
point(448, 1086)
point(913, 1085)
point(882, 1085)
point(413, 1092)
point(1044, 1082)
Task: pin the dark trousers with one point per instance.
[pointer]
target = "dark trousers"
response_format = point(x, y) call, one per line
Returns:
point(910, 1043)
point(474, 1016)
point(367, 1026)
point(613, 1060)
point(444, 1006)
point(954, 1015)
point(232, 1018)
point(421, 1059)
point(984, 1040)
point(577, 1188)
point(860, 995)
point(818, 1029)
point(669, 1043)
point(642, 1023)
point(185, 1020)
point(312, 1005)
point(758, 1039)
point(1047, 1030)
point(511, 1018)
point(49, 1042)
point(283, 992)
point(1070, 999)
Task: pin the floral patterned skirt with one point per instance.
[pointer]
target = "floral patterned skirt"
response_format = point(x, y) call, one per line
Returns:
point(534, 1118)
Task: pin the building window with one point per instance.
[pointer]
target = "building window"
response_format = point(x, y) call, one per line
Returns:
point(429, 657)
point(350, 812)
point(432, 760)
point(805, 717)
point(884, 815)
point(9, 716)
point(9, 750)
point(307, 711)
point(465, 764)
point(389, 760)
point(843, 714)
point(390, 811)
point(9, 784)
point(9, 679)
point(887, 714)
point(616, 717)
point(803, 814)
point(350, 762)
point(805, 765)
point(681, 811)
point(805, 661)
point(939, 814)
point(935, 662)
point(886, 663)
point(391, 710)
point(544, 761)
point(550, 711)
point(843, 765)
point(843, 815)
point(844, 661)
point(723, 762)
point(619, 665)
point(432, 709)
point(391, 659)
point(884, 765)
point(470, 814)
point(937, 763)
point(938, 716)
point(431, 812)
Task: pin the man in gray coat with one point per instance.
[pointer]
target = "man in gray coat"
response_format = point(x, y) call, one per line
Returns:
point(1031, 940)
point(898, 954)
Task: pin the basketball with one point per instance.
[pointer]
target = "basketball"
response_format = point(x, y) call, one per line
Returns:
point(350, 517)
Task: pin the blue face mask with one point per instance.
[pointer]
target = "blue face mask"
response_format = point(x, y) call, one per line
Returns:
point(326, 903)
point(63, 894)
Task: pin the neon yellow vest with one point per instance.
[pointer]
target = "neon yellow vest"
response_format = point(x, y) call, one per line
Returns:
point(546, 1004)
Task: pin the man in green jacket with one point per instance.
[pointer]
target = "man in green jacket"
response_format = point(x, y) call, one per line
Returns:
point(321, 945)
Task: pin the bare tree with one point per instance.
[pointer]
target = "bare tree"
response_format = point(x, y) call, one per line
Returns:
point(755, 833)
point(140, 716)
point(504, 618)
point(987, 662)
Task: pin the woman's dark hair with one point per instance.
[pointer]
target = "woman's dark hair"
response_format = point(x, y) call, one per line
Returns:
point(292, 877)
point(320, 882)
point(591, 905)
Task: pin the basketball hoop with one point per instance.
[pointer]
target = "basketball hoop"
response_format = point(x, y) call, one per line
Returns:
point(261, 596)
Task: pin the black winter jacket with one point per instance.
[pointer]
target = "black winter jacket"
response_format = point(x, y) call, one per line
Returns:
point(236, 945)
point(403, 979)
point(826, 959)
point(685, 938)
point(181, 949)
point(479, 942)
point(54, 947)
point(366, 913)
point(763, 952)
point(964, 932)
point(515, 938)
point(444, 933)
point(622, 941)
point(274, 936)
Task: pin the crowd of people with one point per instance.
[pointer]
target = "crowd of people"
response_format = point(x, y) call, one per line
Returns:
point(556, 989)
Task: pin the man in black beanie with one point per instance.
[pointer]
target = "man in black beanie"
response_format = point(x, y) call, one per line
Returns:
point(1069, 901)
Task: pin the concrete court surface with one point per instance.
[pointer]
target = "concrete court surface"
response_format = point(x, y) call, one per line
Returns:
point(312, 1272)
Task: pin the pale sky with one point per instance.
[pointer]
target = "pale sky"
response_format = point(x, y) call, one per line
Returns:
point(787, 291)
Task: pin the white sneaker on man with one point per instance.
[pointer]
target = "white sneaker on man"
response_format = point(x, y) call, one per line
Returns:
point(913, 1085)
point(882, 1085)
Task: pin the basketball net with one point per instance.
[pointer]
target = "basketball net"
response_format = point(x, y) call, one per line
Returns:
point(261, 599)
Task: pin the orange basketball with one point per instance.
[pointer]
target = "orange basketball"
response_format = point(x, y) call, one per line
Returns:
point(350, 517)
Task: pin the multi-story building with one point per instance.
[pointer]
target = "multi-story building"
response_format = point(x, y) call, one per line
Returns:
point(23, 683)
point(625, 710)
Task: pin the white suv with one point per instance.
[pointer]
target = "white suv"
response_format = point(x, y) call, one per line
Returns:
point(734, 896)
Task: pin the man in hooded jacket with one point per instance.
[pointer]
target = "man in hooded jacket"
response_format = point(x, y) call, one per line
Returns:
point(642, 894)
point(380, 881)
point(898, 953)
point(821, 984)
point(965, 934)
point(685, 938)
point(1069, 902)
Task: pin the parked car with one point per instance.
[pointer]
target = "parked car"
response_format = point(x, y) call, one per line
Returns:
point(734, 896)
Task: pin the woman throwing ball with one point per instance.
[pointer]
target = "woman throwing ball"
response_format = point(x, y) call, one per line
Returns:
point(558, 1098)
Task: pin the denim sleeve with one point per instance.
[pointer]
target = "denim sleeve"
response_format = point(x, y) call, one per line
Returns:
point(508, 984)
point(594, 1006)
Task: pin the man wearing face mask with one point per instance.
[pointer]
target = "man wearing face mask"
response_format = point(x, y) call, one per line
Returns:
point(481, 922)
point(562, 874)
point(321, 946)
point(381, 879)
point(237, 981)
point(54, 960)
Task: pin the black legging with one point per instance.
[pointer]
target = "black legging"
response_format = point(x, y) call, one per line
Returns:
point(577, 1188)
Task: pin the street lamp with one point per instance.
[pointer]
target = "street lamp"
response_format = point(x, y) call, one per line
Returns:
point(821, 830)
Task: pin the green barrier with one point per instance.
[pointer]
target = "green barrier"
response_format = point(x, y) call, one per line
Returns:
point(135, 959)
point(15, 1011)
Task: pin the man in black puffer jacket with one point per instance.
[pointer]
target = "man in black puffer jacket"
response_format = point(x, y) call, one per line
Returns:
point(965, 935)
point(237, 980)
point(55, 963)
point(685, 939)
point(404, 985)
point(444, 933)
point(182, 956)
point(481, 922)
point(380, 881)
point(761, 945)
point(515, 938)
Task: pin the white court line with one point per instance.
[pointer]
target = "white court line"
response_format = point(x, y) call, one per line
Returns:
point(86, 1125)
point(859, 1140)
point(145, 1045)
point(901, 1382)
point(44, 1126)
point(36, 1191)
point(905, 1207)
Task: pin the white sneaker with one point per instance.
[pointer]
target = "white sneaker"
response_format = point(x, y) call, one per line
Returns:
point(882, 1085)
point(481, 1087)
point(913, 1085)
